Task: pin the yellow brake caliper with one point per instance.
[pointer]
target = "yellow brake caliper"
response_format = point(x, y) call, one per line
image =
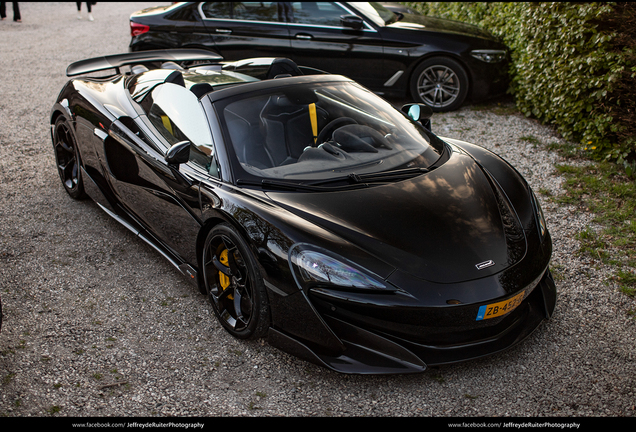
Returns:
point(223, 279)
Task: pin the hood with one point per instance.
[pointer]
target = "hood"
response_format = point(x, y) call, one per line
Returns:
point(423, 22)
point(439, 226)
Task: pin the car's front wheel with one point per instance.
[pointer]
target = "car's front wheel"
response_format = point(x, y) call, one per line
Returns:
point(234, 284)
point(67, 158)
point(440, 83)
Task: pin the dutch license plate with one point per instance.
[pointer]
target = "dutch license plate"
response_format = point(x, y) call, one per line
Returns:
point(494, 310)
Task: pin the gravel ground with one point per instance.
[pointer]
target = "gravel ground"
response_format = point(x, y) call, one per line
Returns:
point(99, 324)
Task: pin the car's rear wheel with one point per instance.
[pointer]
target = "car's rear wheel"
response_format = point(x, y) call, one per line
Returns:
point(234, 284)
point(67, 159)
point(440, 83)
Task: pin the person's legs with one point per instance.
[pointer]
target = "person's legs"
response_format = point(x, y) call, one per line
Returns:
point(16, 12)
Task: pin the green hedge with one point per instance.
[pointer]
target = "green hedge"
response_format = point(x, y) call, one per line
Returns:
point(571, 66)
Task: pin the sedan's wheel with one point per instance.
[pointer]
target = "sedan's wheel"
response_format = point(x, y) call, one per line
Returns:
point(67, 159)
point(440, 83)
point(234, 285)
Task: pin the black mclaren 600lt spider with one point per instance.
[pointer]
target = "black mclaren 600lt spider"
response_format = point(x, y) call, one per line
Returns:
point(309, 210)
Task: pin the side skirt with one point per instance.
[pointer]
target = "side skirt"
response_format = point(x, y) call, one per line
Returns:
point(184, 268)
point(95, 192)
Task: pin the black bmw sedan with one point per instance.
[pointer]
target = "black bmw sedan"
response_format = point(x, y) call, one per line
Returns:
point(438, 62)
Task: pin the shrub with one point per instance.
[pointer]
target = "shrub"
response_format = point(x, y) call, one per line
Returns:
point(572, 66)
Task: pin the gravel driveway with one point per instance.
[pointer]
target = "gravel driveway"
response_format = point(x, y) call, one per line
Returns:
point(96, 323)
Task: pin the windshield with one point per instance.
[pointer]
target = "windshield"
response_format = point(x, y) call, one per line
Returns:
point(317, 132)
point(376, 12)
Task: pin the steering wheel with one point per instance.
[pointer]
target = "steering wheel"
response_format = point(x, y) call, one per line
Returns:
point(326, 132)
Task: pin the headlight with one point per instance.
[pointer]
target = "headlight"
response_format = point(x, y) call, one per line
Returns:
point(543, 227)
point(489, 56)
point(313, 266)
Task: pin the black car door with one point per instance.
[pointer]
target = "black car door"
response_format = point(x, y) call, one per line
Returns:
point(188, 30)
point(319, 40)
point(163, 200)
point(247, 29)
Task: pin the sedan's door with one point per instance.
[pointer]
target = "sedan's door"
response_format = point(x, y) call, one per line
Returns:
point(319, 40)
point(247, 29)
point(189, 29)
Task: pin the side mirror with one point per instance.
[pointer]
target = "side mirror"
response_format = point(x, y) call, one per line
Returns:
point(351, 21)
point(178, 153)
point(420, 113)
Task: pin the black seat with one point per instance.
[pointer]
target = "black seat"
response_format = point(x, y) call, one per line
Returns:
point(247, 141)
point(286, 126)
point(282, 66)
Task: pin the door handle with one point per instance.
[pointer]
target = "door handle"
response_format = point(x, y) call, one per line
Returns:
point(304, 37)
point(223, 31)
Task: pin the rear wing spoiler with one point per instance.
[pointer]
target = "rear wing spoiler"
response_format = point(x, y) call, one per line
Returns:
point(118, 60)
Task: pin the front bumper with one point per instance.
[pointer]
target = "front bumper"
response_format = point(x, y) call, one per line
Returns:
point(378, 346)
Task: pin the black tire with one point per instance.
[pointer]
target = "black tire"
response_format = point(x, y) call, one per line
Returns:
point(441, 83)
point(67, 158)
point(239, 300)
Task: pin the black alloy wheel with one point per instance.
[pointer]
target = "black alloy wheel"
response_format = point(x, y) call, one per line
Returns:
point(234, 285)
point(67, 159)
point(440, 83)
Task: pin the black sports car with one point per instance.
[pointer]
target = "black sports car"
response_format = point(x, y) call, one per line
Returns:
point(309, 209)
point(438, 62)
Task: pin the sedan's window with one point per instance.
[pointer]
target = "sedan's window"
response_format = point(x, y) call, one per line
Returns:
point(178, 116)
point(321, 132)
point(318, 13)
point(376, 13)
point(250, 11)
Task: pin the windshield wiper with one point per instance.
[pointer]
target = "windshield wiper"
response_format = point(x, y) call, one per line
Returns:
point(385, 176)
point(289, 185)
point(352, 181)
point(394, 175)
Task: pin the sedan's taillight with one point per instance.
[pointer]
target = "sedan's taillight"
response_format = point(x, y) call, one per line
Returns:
point(137, 29)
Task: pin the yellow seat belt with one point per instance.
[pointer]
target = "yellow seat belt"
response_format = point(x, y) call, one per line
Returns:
point(314, 121)
point(166, 123)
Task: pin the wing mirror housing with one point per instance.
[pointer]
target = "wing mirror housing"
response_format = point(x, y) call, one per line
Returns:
point(178, 153)
point(419, 112)
point(351, 21)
